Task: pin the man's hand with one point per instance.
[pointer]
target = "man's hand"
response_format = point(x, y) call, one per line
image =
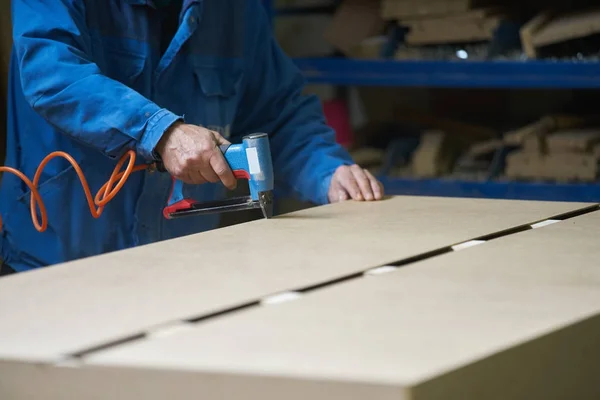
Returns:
point(191, 154)
point(353, 182)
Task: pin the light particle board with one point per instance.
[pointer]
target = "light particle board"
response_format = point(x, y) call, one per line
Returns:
point(517, 317)
point(48, 314)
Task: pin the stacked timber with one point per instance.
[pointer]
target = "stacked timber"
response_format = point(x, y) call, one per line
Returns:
point(433, 22)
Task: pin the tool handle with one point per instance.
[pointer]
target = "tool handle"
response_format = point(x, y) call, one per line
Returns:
point(224, 148)
point(235, 155)
point(250, 160)
point(237, 165)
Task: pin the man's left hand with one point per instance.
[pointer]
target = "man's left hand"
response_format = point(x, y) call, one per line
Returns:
point(356, 183)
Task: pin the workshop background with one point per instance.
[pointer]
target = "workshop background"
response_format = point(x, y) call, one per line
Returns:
point(476, 98)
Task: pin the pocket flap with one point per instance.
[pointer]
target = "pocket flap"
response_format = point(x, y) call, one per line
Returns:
point(217, 81)
point(49, 185)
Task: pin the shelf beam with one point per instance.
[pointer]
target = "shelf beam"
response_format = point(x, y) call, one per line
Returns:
point(457, 74)
point(493, 189)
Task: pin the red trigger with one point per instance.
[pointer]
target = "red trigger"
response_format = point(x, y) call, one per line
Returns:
point(181, 205)
point(241, 174)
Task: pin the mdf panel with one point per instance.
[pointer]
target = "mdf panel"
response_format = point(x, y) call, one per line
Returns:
point(71, 308)
point(517, 317)
point(99, 383)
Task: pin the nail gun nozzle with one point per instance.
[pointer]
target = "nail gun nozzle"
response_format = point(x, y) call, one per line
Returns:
point(266, 203)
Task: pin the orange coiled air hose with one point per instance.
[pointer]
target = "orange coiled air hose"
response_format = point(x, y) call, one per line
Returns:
point(104, 195)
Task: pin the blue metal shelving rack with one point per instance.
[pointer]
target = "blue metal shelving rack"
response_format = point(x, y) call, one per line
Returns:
point(460, 74)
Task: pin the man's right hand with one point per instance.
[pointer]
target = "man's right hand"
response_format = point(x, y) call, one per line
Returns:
point(191, 154)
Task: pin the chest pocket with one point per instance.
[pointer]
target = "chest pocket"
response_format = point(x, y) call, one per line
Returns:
point(119, 62)
point(220, 89)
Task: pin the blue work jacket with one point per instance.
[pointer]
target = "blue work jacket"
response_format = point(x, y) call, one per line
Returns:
point(87, 77)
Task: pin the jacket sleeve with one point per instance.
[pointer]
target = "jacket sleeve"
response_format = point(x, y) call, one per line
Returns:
point(305, 153)
point(63, 84)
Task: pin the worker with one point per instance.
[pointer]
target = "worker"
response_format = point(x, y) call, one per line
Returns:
point(170, 80)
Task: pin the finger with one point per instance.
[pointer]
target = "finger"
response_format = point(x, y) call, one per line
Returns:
point(191, 177)
point(363, 182)
point(185, 179)
point(348, 182)
point(337, 193)
point(221, 168)
point(191, 173)
point(342, 195)
point(375, 185)
point(196, 177)
point(209, 175)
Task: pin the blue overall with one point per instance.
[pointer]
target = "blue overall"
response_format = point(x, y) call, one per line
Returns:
point(89, 77)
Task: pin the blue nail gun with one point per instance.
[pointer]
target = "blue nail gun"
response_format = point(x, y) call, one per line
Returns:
point(249, 160)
